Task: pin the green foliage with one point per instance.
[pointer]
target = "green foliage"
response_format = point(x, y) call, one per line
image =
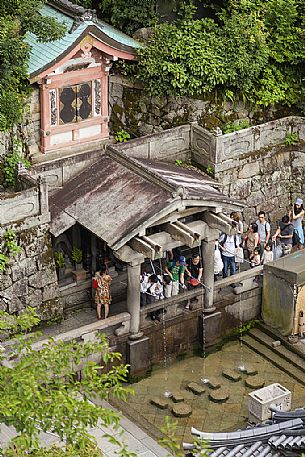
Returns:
point(77, 255)
point(235, 126)
point(182, 163)
point(10, 165)
point(59, 259)
point(209, 170)
point(40, 391)
point(8, 248)
point(17, 17)
point(291, 139)
point(251, 50)
point(245, 328)
point(4, 260)
point(128, 15)
point(170, 441)
point(122, 136)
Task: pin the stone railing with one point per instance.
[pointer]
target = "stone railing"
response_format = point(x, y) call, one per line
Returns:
point(241, 303)
point(168, 145)
point(216, 150)
point(27, 208)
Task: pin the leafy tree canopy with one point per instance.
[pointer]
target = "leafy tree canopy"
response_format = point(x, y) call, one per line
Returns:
point(251, 49)
point(17, 17)
point(40, 391)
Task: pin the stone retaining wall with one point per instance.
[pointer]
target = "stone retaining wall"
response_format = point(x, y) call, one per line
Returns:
point(28, 132)
point(254, 165)
point(132, 109)
point(30, 279)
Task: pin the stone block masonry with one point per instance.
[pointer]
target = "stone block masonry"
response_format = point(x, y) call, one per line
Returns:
point(30, 279)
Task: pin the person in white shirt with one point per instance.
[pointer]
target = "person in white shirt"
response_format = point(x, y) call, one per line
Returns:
point(228, 244)
point(267, 255)
point(238, 225)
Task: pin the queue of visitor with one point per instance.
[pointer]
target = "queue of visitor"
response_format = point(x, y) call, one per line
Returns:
point(254, 247)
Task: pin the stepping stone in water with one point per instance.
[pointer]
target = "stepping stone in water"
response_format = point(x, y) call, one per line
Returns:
point(159, 402)
point(232, 375)
point(255, 382)
point(177, 397)
point(219, 396)
point(182, 410)
point(213, 383)
point(197, 389)
point(250, 371)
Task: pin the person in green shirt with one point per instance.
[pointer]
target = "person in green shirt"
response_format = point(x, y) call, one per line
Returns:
point(175, 269)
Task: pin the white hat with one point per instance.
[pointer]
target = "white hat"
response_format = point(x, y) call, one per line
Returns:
point(298, 201)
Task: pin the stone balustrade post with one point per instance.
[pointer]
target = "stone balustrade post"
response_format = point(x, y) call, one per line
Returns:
point(133, 300)
point(207, 249)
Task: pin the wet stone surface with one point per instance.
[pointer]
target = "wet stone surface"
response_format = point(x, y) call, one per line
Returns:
point(181, 410)
point(207, 415)
point(232, 375)
point(214, 383)
point(177, 397)
point(254, 382)
point(251, 371)
point(219, 395)
point(159, 402)
point(197, 389)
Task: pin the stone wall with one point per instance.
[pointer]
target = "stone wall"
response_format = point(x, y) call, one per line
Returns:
point(132, 109)
point(30, 279)
point(254, 165)
point(28, 132)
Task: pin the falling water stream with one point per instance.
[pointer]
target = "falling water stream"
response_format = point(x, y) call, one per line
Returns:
point(241, 365)
point(204, 379)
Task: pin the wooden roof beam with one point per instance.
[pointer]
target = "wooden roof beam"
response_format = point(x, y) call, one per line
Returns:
point(146, 247)
point(180, 234)
point(219, 222)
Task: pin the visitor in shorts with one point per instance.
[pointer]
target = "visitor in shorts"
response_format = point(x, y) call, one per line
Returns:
point(263, 230)
point(175, 269)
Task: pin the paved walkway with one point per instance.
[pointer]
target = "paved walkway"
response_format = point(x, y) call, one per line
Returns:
point(136, 440)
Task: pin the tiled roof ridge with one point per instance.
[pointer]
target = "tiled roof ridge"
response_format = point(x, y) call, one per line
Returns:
point(77, 12)
point(137, 167)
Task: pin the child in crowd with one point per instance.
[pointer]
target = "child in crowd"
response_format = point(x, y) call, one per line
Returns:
point(267, 255)
point(255, 258)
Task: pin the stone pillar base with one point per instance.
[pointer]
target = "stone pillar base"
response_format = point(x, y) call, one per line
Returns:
point(138, 356)
point(210, 329)
point(135, 336)
point(209, 310)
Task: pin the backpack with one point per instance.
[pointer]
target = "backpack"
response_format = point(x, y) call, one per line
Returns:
point(225, 239)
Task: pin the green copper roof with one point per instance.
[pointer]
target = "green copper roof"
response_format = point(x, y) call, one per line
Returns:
point(44, 54)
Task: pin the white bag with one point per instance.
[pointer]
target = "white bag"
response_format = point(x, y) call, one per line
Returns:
point(239, 255)
point(218, 263)
point(277, 251)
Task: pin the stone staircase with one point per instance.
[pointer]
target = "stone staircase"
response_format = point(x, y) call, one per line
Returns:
point(280, 356)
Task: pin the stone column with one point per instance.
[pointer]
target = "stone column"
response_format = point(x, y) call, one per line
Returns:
point(207, 249)
point(133, 300)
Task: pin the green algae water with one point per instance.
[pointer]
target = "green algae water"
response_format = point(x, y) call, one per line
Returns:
point(207, 415)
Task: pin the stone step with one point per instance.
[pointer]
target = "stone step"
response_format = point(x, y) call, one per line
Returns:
point(274, 358)
point(277, 336)
point(281, 350)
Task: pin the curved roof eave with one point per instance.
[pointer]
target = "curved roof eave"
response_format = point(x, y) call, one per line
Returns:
point(114, 47)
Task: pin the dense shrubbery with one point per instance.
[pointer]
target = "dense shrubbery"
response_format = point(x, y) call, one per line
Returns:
point(17, 17)
point(252, 49)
